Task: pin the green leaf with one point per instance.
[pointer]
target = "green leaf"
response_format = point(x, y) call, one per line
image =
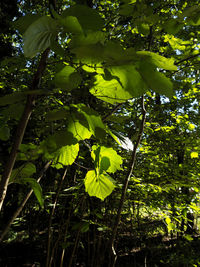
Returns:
point(58, 140)
point(194, 155)
point(155, 80)
point(124, 82)
point(96, 126)
point(24, 22)
point(65, 156)
point(173, 26)
point(79, 131)
point(191, 127)
point(13, 111)
point(188, 237)
point(36, 189)
point(87, 39)
point(106, 159)
point(90, 54)
point(12, 98)
point(71, 24)
point(57, 114)
point(87, 17)
point(4, 133)
point(68, 78)
point(100, 187)
point(38, 36)
point(157, 60)
point(26, 170)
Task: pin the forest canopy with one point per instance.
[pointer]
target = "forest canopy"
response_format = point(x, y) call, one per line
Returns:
point(99, 119)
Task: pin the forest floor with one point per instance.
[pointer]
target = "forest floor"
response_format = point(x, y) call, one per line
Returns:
point(153, 252)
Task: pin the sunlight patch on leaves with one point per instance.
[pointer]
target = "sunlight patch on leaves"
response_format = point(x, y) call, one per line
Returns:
point(65, 156)
point(100, 187)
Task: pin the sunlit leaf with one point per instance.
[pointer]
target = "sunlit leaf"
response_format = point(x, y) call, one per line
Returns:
point(65, 156)
point(100, 187)
point(68, 78)
point(119, 84)
point(194, 155)
point(106, 159)
point(157, 60)
point(94, 121)
point(79, 131)
point(155, 80)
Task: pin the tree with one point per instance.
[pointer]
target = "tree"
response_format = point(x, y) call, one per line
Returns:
point(97, 64)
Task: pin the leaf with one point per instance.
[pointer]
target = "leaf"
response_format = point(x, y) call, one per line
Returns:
point(79, 131)
point(36, 189)
point(194, 155)
point(173, 26)
point(125, 82)
point(188, 237)
point(157, 60)
point(106, 159)
point(68, 78)
point(24, 22)
point(96, 126)
point(88, 18)
point(12, 98)
point(191, 127)
point(100, 187)
point(4, 133)
point(65, 156)
point(13, 111)
point(26, 170)
point(90, 54)
point(155, 80)
point(89, 38)
point(38, 36)
point(125, 142)
point(57, 114)
point(58, 140)
point(71, 24)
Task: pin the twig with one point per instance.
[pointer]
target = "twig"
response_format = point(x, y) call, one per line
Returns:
point(111, 112)
point(187, 58)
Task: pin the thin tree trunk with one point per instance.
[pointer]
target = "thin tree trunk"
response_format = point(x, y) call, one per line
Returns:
point(17, 212)
point(112, 253)
point(49, 258)
point(22, 127)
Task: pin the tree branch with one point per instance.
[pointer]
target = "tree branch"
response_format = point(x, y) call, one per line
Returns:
point(187, 58)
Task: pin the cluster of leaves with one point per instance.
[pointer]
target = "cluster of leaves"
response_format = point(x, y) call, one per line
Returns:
point(113, 53)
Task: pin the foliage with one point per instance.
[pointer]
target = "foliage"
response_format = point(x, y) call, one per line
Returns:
point(102, 58)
